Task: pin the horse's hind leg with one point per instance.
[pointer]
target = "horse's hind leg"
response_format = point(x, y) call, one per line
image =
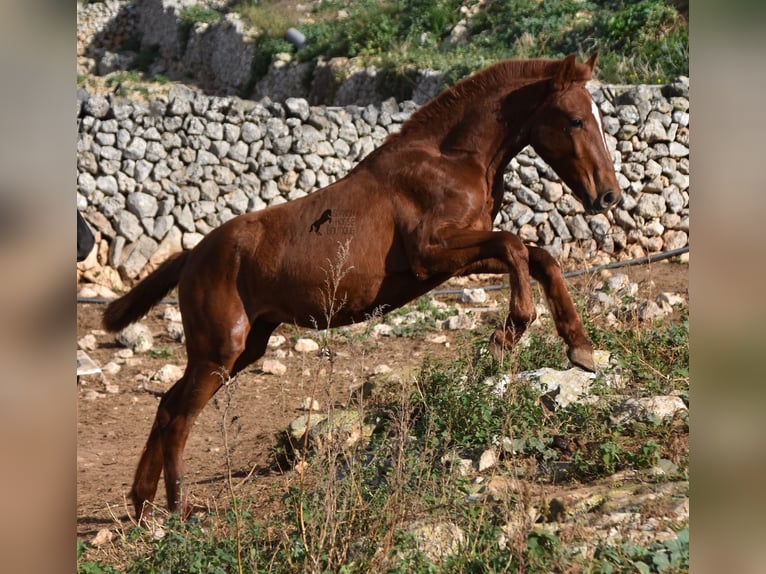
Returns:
point(255, 346)
point(176, 414)
point(150, 465)
point(204, 378)
point(544, 268)
point(178, 409)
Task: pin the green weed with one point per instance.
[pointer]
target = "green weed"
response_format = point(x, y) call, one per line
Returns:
point(668, 557)
point(161, 353)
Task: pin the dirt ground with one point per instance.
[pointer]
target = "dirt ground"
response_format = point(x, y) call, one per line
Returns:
point(115, 411)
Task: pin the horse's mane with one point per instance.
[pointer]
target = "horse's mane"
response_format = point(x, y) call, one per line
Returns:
point(451, 102)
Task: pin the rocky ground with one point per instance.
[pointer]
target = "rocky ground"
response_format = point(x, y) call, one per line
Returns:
point(116, 406)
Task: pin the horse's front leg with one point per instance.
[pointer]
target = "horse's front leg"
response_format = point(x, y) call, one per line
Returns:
point(463, 251)
point(547, 271)
point(544, 268)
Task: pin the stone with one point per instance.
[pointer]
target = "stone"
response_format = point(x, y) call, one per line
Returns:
point(273, 367)
point(239, 151)
point(473, 296)
point(672, 299)
point(169, 245)
point(102, 537)
point(599, 225)
point(650, 310)
point(628, 114)
point(297, 108)
point(579, 228)
point(650, 205)
point(310, 404)
point(217, 145)
point(190, 240)
point(87, 342)
point(107, 184)
point(250, 132)
point(111, 368)
point(136, 149)
point(298, 427)
point(464, 466)
point(136, 255)
point(92, 395)
point(167, 374)
point(500, 487)
point(204, 157)
point(678, 87)
point(459, 322)
point(674, 239)
point(304, 345)
point(552, 190)
point(487, 460)
point(678, 150)
point(381, 369)
point(142, 204)
point(437, 540)
point(617, 282)
point(342, 428)
point(111, 388)
point(649, 408)
point(564, 387)
point(136, 337)
point(653, 131)
point(175, 331)
point(96, 106)
point(128, 225)
point(559, 225)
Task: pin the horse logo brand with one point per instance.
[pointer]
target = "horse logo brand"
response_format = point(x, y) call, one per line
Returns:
point(339, 222)
point(326, 217)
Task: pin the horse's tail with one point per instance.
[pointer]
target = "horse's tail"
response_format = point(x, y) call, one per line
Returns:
point(136, 303)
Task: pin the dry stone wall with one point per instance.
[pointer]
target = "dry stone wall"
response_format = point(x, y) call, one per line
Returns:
point(154, 177)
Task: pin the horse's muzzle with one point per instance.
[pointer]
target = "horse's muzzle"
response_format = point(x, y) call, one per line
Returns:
point(605, 201)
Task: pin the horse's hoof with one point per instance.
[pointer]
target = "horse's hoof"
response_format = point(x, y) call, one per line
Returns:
point(497, 345)
point(146, 519)
point(582, 357)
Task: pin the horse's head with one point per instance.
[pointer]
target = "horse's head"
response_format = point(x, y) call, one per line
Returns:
point(567, 132)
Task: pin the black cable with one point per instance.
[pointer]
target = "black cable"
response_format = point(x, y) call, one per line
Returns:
point(568, 274)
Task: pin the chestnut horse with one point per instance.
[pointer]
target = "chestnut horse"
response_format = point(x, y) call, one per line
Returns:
point(417, 211)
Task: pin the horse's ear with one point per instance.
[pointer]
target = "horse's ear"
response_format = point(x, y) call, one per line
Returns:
point(591, 64)
point(566, 73)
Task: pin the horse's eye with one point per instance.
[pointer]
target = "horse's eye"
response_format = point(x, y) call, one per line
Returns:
point(576, 123)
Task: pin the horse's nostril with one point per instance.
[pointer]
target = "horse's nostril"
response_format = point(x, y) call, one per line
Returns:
point(608, 199)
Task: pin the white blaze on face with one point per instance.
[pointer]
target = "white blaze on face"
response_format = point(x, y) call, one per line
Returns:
point(597, 115)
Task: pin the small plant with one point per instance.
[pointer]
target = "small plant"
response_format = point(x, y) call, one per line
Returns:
point(667, 557)
point(162, 353)
point(90, 566)
point(657, 359)
point(188, 546)
point(423, 319)
point(268, 17)
point(192, 15)
point(457, 406)
point(540, 351)
point(198, 14)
